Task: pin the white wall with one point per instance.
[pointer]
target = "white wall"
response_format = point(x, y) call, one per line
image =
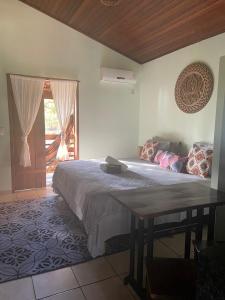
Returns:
point(5, 173)
point(159, 114)
point(34, 44)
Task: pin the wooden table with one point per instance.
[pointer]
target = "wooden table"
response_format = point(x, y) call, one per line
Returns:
point(146, 204)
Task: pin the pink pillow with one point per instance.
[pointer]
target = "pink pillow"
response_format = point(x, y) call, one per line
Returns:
point(165, 160)
point(159, 155)
point(171, 161)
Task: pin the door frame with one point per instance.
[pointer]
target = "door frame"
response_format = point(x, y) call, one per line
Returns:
point(10, 106)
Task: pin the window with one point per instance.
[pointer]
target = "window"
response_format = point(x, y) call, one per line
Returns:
point(51, 120)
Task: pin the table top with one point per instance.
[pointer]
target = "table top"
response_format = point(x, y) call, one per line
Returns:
point(167, 199)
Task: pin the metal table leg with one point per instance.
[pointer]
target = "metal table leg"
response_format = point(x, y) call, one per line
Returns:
point(187, 249)
point(198, 232)
point(211, 224)
point(140, 258)
point(130, 278)
point(150, 240)
point(137, 283)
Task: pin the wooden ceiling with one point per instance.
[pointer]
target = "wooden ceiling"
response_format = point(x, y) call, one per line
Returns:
point(140, 29)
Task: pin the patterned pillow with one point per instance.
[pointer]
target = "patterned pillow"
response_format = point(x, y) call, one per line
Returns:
point(149, 150)
point(200, 161)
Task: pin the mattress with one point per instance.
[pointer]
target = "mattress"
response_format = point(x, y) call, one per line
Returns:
point(86, 189)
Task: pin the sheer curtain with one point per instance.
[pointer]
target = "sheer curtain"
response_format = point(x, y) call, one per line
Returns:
point(27, 94)
point(64, 95)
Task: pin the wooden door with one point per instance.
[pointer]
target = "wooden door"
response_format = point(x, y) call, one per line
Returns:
point(34, 176)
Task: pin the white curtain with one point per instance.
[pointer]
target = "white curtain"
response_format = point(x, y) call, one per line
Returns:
point(64, 95)
point(27, 93)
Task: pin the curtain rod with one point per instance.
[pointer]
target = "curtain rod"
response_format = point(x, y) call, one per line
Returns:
point(46, 78)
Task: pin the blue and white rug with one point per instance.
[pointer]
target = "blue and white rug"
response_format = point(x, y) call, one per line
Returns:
point(39, 235)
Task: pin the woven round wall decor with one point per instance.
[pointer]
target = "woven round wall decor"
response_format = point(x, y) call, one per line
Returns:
point(194, 87)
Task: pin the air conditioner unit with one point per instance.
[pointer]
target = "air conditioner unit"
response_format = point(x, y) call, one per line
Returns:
point(117, 76)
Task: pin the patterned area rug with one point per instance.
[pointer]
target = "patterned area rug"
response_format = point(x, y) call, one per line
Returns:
point(39, 235)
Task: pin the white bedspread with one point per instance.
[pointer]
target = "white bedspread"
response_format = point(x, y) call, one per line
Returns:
point(86, 189)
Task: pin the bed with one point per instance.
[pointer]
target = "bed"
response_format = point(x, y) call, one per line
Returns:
point(86, 189)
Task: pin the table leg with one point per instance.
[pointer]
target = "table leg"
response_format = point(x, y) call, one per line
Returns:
point(211, 224)
point(198, 233)
point(137, 283)
point(187, 249)
point(140, 259)
point(150, 240)
point(132, 251)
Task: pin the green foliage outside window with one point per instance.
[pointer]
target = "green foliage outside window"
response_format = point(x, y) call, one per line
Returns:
point(51, 119)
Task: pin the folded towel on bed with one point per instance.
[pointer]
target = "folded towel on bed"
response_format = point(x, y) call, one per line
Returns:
point(115, 162)
point(113, 166)
point(111, 169)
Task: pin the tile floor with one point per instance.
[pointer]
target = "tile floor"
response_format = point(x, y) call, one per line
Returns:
point(100, 279)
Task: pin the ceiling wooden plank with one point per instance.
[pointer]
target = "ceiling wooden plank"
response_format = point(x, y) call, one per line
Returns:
point(140, 29)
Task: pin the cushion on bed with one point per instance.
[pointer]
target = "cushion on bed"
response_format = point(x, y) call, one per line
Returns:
point(149, 150)
point(163, 143)
point(166, 145)
point(158, 157)
point(153, 149)
point(171, 161)
point(164, 161)
point(176, 147)
point(200, 160)
point(178, 163)
point(204, 145)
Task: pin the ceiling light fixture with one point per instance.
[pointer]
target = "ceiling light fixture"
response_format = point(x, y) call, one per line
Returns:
point(110, 2)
